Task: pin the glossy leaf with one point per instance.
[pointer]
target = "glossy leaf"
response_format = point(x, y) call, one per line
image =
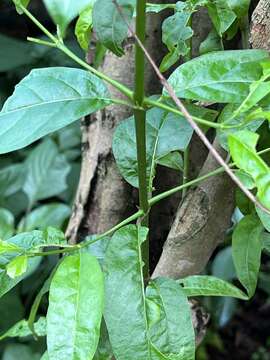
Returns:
point(63, 12)
point(47, 170)
point(210, 286)
point(17, 266)
point(109, 26)
point(223, 76)
point(154, 325)
point(6, 224)
point(53, 214)
point(246, 250)
point(75, 308)
point(33, 105)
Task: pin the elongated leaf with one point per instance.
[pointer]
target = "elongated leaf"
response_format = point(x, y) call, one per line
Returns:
point(47, 170)
point(6, 224)
point(211, 43)
point(63, 12)
point(21, 329)
point(166, 132)
point(109, 25)
point(223, 76)
point(210, 286)
point(53, 214)
point(154, 325)
point(34, 106)
point(75, 308)
point(246, 250)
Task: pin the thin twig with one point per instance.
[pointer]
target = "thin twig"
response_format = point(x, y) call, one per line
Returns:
point(189, 118)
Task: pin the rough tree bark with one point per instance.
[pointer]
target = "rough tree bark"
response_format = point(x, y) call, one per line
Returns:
point(260, 26)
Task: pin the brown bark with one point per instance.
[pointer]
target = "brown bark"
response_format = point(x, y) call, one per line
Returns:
point(260, 26)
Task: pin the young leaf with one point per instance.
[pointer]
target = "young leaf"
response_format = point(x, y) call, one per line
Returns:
point(84, 26)
point(75, 308)
point(6, 224)
point(109, 26)
point(34, 106)
point(17, 266)
point(246, 250)
point(53, 214)
point(155, 324)
point(210, 286)
point(223, 76)
point(9, 247)
point(47, 170)
point(63, 13)
point(175, 33)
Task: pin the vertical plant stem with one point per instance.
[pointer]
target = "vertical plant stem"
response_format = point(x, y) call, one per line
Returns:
point(140, 121)
point(186, 152)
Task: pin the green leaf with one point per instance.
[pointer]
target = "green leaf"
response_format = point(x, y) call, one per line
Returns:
point(154, 325)
point(239, 122)
point(21, 329)
point(12, 179)
point(109, 26)
point(20, 2)
point(223, 76)
point(17, 266)
point(19, 351)
point(45, 356)
point(104, 350)
point(266, 241)
point(172, 160)
point(221, 15)
point(9, 247)
point(53, 214)
point(11, 48)
point(264, 217)
point(211, 43)
point(166, 133)
point(63, 13)
point(175, 33)
point(47, 170)
point(84, 26)
point(156, 8)
point(240, 7)
point(242, 147)
point(6, 224)
point(246, 250)
point(75, 308)
point(34, 106)
point(203, 285)
point(223, 266)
